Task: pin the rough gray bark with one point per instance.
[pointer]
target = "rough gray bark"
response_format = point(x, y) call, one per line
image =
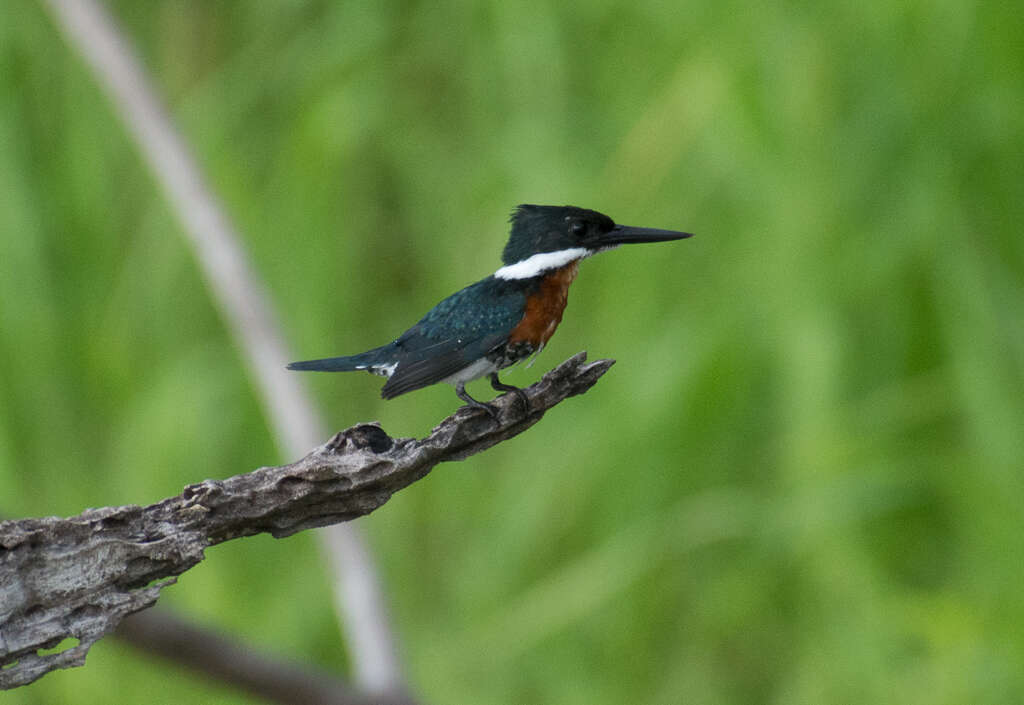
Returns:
point(79, 577)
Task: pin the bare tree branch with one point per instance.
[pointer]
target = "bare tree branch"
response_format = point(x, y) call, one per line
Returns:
point(248, 312)
point(79, 577)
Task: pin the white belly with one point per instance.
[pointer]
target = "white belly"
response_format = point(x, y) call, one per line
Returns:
point(480, 368)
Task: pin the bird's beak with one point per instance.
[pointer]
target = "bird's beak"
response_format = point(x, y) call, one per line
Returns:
point(626, 234)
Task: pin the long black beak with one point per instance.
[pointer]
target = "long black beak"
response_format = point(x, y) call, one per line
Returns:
point(625, 234)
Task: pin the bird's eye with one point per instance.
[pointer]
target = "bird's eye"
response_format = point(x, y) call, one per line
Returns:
point(578, 228)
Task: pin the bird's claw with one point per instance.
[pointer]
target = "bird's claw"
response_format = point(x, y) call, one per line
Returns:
point(500, 386)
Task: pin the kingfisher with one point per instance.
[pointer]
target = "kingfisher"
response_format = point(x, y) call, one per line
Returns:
point(502, 319)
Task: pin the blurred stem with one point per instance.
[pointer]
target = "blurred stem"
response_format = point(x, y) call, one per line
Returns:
point(247, 312)
point(165, 634)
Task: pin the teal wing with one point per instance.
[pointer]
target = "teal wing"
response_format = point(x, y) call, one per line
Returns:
point(457, 332)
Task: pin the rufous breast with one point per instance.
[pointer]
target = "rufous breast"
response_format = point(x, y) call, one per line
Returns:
point(545, 306)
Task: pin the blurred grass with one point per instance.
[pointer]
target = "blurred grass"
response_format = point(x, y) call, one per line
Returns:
point(802, 481)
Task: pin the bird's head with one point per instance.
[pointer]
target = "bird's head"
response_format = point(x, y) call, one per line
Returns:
point(545, 237)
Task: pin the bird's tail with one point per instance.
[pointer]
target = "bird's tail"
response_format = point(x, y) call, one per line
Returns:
point(371, 361)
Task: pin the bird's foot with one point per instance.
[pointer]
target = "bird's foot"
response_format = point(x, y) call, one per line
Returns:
point(500, 386)
point(492, 411)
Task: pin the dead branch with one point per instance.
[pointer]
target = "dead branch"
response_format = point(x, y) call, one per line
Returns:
point(79, 577)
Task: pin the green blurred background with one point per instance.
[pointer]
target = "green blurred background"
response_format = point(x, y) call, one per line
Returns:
point(801, 483)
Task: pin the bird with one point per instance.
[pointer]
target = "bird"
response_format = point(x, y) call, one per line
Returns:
point(502, 319)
